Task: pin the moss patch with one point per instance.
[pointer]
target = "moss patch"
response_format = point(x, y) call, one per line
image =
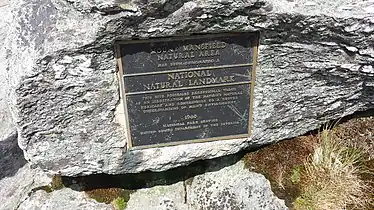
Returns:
point(57, 183)
point(116, 196)
point(120, 203)
point(296, 174)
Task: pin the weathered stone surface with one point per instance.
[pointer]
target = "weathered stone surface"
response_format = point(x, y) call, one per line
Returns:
point(233, 187)
point(15, 189)
point(224, 186)
point(65, 199)
point(17, 179)
point(6, 122)
point(3, 3)
point(159, 198)
point(315, 64)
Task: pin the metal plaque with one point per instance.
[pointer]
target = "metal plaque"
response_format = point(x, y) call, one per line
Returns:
point(191, 89)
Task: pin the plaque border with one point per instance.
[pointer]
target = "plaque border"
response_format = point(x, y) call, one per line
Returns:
point(255, 37)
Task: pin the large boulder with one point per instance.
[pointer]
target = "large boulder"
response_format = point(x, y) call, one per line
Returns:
point(17, 179)
point(315, 64)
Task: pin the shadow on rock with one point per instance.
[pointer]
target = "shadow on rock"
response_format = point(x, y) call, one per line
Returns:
point(11, 156)
point(150, 179)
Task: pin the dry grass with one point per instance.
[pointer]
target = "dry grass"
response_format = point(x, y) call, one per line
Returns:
point(329, 170)
point(331, 178)
point(281, 164)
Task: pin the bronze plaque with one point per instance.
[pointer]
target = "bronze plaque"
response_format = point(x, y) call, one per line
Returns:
point(191, 89)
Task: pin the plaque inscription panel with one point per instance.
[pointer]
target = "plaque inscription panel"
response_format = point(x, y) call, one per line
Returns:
point(191, 89)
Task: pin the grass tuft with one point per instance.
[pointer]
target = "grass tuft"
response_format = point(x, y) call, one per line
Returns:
point(329, 170)
point(331, 178)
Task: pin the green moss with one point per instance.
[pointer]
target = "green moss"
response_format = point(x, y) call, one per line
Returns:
point(57, 183)
point(104, 195)
point(120, 203)
point(116, 196)
point(302, 204)
point(296, 175)
point(47, 189)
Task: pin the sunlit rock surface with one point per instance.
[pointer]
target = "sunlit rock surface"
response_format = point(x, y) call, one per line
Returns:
point(65, 199)
point(226, 187)
point(315, 64)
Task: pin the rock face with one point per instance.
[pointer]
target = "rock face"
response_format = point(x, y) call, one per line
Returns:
point(6, 123)
point(232, 188)
point(65, 199)
point(315, 64)
point(17, 179)
point(160, 197)
point(229, 188)
point(15, 188)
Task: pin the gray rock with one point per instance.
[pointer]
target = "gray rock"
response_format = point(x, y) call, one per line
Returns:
point(315, 64)
point(232, 188)
point(170, 197)
point(16, 188)
point(224, 186)
point(17, 179)
point(6, 122)
point(3, 3)
point(65, 199)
